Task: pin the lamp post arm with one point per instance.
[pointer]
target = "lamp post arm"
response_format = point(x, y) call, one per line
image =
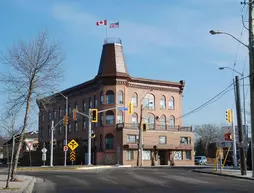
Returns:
point(234, 38)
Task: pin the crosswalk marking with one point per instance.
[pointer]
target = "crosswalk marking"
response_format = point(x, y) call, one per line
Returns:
point(81, 181)
point(185, 179)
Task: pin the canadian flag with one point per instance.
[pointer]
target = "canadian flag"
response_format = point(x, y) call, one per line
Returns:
point(102, 22)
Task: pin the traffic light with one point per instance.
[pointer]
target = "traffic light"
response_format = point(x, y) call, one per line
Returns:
point(65, 120)
point(93, 135)
point(130, 108)
point(75, 114)
point(144, 126)
point(229, 116)
point(94, 115)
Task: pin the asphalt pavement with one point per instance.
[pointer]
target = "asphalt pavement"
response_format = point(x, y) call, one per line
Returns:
point(136, 180)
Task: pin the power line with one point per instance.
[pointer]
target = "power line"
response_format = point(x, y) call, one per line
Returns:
point(210, 101)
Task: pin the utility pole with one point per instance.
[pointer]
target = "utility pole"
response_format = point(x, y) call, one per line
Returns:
point(66, 130)
point(89, 137)
point(51, 145)
point(240, 127)
point(251, 43)
point(140, 136)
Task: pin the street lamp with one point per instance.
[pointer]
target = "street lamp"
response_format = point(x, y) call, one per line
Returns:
point(66, 126)
point(140, 143)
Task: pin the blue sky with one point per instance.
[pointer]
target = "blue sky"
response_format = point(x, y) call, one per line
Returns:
point(166, 40)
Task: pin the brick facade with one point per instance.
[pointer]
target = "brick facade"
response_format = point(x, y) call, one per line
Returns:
point(113, 88)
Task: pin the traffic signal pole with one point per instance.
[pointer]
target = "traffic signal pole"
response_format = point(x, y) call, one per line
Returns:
point(66, 132)
point(234, 139)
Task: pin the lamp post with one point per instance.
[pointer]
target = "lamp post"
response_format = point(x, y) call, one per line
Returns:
point(244, 112)
point(66, 126)
point(251, 69)
point(140, 140)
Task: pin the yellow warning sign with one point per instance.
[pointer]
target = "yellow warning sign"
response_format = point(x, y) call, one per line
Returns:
point(72, 144)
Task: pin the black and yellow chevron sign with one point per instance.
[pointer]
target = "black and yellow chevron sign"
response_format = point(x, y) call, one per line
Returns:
point(72, 155)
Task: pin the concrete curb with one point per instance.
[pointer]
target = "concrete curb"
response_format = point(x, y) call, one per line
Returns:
point(222, 174)
point(29, 188)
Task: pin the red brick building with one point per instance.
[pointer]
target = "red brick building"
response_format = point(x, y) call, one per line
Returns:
point(117, 131)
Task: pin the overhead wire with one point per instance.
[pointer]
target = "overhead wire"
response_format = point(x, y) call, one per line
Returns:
point(212, 100)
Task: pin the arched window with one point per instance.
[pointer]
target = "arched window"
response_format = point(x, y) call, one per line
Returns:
point(101, 98)
point(134, 99)
point(163, 121)
point(110, 118)
point(109, 141)
point(163, 102)
point(101, 118)
point(110, 97)
point(95, 101)
point(134, 118)
point(149, 101)
point(151, 121)
point(120, 97)
point(171, 103)
point(120, 117)
point(172, 121)
point(90, 102)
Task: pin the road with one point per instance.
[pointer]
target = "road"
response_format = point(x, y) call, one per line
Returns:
point(137, 180)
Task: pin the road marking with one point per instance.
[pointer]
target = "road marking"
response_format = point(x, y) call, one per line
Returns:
point(70, 178)
point(186, 179)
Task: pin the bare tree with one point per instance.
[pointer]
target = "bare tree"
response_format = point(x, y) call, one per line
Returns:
point(208, 133)
point(8, 123)
point(36, 67)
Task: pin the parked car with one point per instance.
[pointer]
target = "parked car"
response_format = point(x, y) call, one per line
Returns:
point(200, 160)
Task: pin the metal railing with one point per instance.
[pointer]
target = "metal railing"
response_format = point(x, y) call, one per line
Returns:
point(160, 127)
point(112, 41)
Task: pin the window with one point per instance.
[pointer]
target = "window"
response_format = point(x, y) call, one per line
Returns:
point(84, 106)
point(134, 118)
point(134, 99)
point(49, 115)
point(49, 130)
point(120, 117)
point(69, 111)
point(101, 118)
point(151, 121)
point(110, 118)
point(172, 121)
point(171, 103)
point(120, 97)
point(60, 112)
point(41, 130)
point(131, 138)
point(185, 140)
point(129, 155)
point(42, 116)
point(95, 102)
point(84, 123)
point(75, 126)
point(101, 98)
point(54, 113)
point(110, 97)
point(149, 101)
point(90, 102)
point(60, 129)
point(163, 140)
point(163, 121)
point(146, 155)
point(69, 127)
point(178, 155)
point(163, 102)
point(109, 141)
point(188, 155)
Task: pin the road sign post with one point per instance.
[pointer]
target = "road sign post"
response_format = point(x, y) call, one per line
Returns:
point(44, 157)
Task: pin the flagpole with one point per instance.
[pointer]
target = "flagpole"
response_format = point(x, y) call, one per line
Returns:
point(106, 29)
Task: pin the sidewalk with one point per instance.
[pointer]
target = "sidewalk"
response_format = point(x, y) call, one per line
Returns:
point(25, 184)
point(74, 167)
point(226, 172)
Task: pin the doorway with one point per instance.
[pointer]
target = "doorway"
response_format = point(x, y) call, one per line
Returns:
point(163, 160)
